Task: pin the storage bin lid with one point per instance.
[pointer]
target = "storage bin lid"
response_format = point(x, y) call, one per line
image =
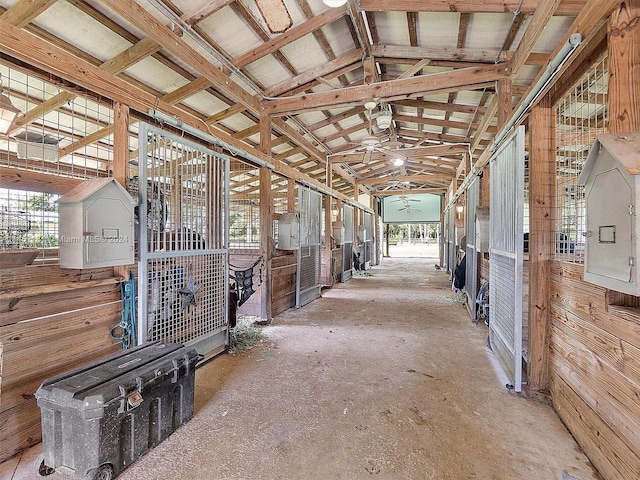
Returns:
point(91, 386)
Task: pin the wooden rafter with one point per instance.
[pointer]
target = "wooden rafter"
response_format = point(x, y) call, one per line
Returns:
point(407, 88)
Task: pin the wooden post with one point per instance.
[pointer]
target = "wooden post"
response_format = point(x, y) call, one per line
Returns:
point(624, 75)
point(121, 160)
point(542, 178)
point(266, 218)
point(291, 195)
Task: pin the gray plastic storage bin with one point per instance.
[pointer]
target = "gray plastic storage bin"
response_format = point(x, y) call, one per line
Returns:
point(98, 420)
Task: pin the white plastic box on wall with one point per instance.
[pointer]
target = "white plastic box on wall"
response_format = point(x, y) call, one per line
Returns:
point(482, 229)
point(612, 187)
point(337, 231)
point(362, 233)
point(289, 231)
point(96, 225)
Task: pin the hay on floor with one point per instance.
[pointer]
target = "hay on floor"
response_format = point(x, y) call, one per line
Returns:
point(245, 335)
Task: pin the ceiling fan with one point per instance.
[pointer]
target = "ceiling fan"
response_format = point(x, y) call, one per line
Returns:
point(370, 143)
point(408, 209)
point(405, 199)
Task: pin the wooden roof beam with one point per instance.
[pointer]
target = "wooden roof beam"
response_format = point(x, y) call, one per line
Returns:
point(323, 70)
point(291, 35)
point(410, 191)
point(407, 153)
point(403, 88)
point(566, 7)
point(432, 53)
point(446, 107)
point(43, 55)
point(403, 178)
point(173, 43)
point(24, 11)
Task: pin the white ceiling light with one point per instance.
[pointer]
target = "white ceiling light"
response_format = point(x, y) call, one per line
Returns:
point(384, 119)
point(334, 3)
point(398, 162)
point(370, 104)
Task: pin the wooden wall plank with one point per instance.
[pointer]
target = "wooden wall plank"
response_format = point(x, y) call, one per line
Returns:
point(595, 371)
point(611, 457)
point(20, 425)
point(15, 442)
point(623, 355)
point(33, 275)
point(49, 344)
point(599, 385)
point(569, 292)
point(40, 306)
point(40, 182)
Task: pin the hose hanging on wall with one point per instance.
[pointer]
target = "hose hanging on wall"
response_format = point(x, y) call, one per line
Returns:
point(125, 330)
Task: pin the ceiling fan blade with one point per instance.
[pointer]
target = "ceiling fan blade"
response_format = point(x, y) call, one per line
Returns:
point(366, 158)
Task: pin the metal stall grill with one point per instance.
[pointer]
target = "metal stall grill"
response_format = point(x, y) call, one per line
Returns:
point(347, 245)
point(471, 251)
point(308, 278)
point(506, 253)
point(182, 242)
point(368, 240)
point(581, 116)
point(244, 206)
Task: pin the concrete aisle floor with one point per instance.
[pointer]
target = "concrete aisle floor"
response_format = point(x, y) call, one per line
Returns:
point(384, 377)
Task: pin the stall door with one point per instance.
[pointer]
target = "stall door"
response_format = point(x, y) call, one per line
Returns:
point(471, 253)
point(347, 246)
point(182, 242)
point(450, 239)
point(506, 254)
point(368, 240)
point(309, 252)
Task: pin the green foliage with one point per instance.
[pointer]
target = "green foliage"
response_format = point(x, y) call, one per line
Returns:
point(45, 202)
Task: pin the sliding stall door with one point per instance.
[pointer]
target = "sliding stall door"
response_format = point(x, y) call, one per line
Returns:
point(310, 250)
point(471, 252)
point(506, 254)
point(347, 245)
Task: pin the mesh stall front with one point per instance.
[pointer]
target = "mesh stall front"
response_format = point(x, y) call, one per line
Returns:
point(183, 254)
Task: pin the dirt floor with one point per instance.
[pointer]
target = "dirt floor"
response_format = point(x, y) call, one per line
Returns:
point(383, 377)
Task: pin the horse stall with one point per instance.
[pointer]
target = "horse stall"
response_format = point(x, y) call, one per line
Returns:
point(182, 244)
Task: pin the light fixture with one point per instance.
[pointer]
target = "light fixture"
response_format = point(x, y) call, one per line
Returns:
point(8, 112)
point(384, 118)
point(459, 210)
point(370, 104)
point(334, 3)
point(398, 162)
